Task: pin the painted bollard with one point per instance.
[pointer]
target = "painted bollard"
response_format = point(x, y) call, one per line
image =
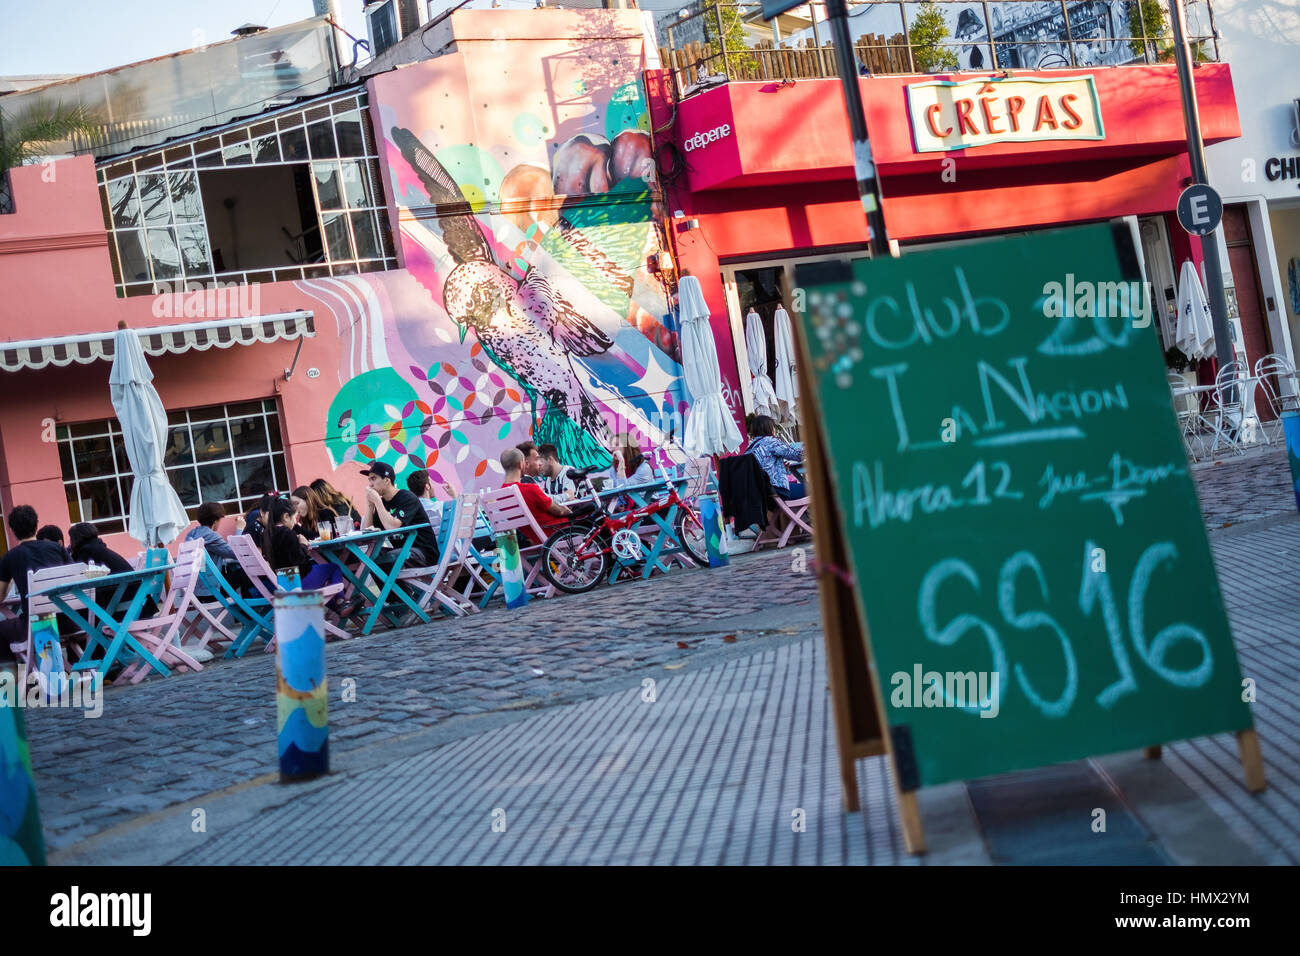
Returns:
point(714, 534)
point(301, 690)
point(1291, 428)
point(288, 579)
point(512, 570)
point(47, 651)
point(21, 840)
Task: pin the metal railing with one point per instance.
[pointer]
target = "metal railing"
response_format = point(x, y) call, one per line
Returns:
point(893, 37)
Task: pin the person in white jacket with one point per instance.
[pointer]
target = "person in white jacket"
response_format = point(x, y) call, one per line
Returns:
point(630, 466)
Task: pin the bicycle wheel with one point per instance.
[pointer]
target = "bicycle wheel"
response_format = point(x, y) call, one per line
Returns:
point(572, 566)
point(690, 532)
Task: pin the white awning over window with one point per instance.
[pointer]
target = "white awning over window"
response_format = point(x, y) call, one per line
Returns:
point(159, 340)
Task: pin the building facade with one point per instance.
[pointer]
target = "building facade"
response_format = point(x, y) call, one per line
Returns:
point(421, 268)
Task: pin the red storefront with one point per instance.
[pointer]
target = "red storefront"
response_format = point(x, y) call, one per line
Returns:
point(758, 176)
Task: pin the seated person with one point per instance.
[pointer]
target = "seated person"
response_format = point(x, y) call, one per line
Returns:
point(336, 501)
point(286, 548)
point(548, 513)
point(210, 512)
point(532, 466)
point(630, 466)
point(393, 507)
point(29, 554)
point(555, 474)
point(313, 512)
point(772, 454)
point(85, 545)
point(421, 485)
point(52, 532)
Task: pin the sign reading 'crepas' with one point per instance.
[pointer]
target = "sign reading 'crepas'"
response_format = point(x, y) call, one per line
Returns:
point(705, 137)
point(947, 115)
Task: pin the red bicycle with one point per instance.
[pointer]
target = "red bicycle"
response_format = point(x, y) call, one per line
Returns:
point(577, 557)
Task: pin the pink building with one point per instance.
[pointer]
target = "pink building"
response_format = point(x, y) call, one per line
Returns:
point(423, 268)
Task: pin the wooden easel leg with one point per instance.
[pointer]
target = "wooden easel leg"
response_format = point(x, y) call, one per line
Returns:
point(1252, 761)
point(849, 784)
point(1152, 753)
point(909, 814)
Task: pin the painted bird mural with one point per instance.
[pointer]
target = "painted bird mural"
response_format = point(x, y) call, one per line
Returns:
point(526, 325)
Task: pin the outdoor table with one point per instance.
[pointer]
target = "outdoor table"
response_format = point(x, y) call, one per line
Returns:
point(113, 616)
point(665, 544)
point(365, 547)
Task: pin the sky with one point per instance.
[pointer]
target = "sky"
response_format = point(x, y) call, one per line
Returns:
point(86, 36)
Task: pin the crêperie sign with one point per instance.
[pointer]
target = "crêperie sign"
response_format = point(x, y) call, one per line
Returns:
point(1025, 536)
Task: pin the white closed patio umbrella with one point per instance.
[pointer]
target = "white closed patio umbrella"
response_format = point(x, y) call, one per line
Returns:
point(157, 515)
point(1194, 333)
point(709, 427)
point(786, 382)
point(756, 349)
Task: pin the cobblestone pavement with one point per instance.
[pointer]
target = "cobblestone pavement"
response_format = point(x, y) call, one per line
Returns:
point(1237, 490)
point(169, 741)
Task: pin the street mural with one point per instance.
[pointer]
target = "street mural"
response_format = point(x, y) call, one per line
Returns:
point(525, 218)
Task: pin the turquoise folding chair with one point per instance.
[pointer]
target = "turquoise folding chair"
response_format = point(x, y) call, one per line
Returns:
point(254, 616)
point(483, 573)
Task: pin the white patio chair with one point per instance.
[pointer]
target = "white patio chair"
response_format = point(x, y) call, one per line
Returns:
point(1281, 387)
point(38, 605)
point(436, 583)
point(1224, 415)
point(161, 634)
point(506, 511)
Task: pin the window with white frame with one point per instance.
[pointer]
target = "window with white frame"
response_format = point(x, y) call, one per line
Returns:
point(298, 194)
point(225, 453)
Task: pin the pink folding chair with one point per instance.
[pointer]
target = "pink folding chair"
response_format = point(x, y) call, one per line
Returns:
point(161, 634)
point(795, 514)
point(506, 511)
point(264, 580)
point(436, 583)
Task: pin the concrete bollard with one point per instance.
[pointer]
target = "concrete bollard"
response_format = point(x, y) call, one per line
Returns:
point(714, 534)
point(512, 570)
point(1291, 429)
point(21, 840)
point(302, 696)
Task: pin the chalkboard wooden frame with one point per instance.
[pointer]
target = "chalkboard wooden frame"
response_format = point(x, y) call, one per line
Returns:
point(855, 685)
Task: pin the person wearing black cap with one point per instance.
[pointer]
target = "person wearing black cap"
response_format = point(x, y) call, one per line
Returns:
point(391, 507)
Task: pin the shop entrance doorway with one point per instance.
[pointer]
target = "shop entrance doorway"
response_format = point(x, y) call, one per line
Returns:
point(763, 287)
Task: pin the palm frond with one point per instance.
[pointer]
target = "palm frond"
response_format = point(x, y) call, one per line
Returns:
point(40, 124)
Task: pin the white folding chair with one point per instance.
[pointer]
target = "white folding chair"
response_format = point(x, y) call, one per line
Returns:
point(1223, 415)
point(436, 583)
point(38, 605)
point(506, 511)
point(264, 580)
point(1278, 381)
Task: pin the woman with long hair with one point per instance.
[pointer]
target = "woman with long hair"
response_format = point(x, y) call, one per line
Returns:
point(336, 500)
point(284, 547)
point(772, 454)
point(630, 465)
point(314, 513)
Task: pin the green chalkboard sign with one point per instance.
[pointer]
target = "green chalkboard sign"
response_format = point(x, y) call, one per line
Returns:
point(1024, 531)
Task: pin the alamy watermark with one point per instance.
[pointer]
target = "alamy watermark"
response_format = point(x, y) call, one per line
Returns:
point(35, 689)
point(214, 300)
point(967, 690)
point(1084, 299)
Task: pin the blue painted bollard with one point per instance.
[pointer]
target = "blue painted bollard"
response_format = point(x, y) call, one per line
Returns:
point(47, 651)
point(302, 696)
point(714, 534)
point(21, 840)
point(512, 570)
point(1291, 428)
point(288, 579)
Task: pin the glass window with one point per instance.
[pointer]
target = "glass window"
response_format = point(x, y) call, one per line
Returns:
point(164, 254)
point(266, 150)
point(348, 130)
point(293, 144)
point(321, 137)
point(363, 229)
point(336, 237)
point(234, 461)
point(195, 254)
point(124, 203)
point(154, 202)
point(187, 205)
point(327, 185)
point(355, 189)
point(209, 159)
point(130, 253)
point(235, 148)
